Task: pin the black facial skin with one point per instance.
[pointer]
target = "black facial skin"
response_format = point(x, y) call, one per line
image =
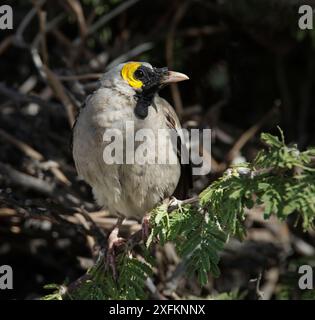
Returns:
point(151, 79)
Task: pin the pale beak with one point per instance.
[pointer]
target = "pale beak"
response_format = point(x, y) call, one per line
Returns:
point(173, 76)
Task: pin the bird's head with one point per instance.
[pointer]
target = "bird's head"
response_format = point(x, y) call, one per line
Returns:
point(142, 81)
point(142, 76)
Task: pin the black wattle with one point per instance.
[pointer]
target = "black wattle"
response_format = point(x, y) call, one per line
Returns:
point(144, 100)
point(141, 110)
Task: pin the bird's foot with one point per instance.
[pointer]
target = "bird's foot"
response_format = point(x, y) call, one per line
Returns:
point(114, 241)
point(145, 227)
point(174, 204)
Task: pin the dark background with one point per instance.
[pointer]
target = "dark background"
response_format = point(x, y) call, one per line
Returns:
point(251, 70)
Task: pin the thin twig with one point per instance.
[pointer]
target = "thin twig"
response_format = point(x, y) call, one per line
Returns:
point(249, 134)
point(5, 44)
point(90, 240)
point(34, 154)
point(25, 148)
point(19, 97)
point(26, 181)
point(130, 54)
point(42, 30)
point(107, 17)
point(259, 293)
point(170, 54)
point(76, 7)
point(88, 76)
point(60, 92)
point(18, 38)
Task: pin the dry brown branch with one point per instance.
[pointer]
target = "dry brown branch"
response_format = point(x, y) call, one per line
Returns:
point(88, 76)
point(42, 30)
point(76, 7)
point(170, 54)
point(249, 134)
point(112, 14)
point(33, 154)
point(42, 65)
point(141, 48)
point(25, 148)
point(272, 278)
point(202, 31)
point(90, 240)
point(18, 38)
point(49, 27)
point(18, 97)
point(60, 92)
point(62, 38)
point(56, 171)
point(26, 181)
point(5, 44)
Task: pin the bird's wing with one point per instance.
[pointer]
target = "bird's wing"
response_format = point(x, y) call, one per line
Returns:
point(74, 124)
point(172, 122)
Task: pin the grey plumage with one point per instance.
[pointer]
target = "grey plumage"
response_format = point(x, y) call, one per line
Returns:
point(127, 190)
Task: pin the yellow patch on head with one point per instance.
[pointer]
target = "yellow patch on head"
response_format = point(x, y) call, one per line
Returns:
point(127, 72)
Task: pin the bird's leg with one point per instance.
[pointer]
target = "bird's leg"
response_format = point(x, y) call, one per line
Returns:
point(114, 241)
point(145, 227)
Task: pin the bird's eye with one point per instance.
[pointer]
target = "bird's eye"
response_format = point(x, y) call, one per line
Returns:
point(139, 74)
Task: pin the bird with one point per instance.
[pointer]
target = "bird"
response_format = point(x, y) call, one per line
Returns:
point(127, 92)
